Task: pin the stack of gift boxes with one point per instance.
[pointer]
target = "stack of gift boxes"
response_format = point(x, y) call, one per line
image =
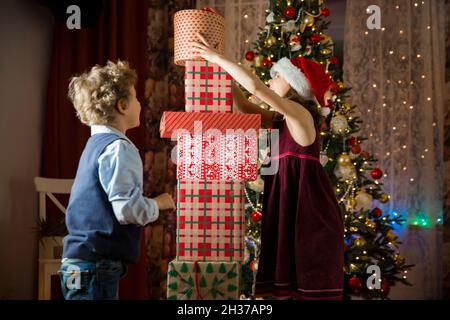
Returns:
point(216, 153)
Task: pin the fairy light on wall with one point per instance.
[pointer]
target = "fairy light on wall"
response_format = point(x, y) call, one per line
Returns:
point(403, 57)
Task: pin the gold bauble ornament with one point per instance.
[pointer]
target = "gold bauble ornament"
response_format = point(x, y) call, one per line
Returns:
point(353, 229)
point(384, 197)
point(270, 41)
point(360, 242)
point(325, 51)
point(257, 60)
point(344, 160)
point(340, 84)
point(308, 20)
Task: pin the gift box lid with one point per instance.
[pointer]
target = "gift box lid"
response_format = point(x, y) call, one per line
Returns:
point(203, 121)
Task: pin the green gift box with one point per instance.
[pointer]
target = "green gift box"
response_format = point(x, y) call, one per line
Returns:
point(189, 280)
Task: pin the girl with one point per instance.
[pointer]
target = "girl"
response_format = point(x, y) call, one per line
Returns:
point(302, 228)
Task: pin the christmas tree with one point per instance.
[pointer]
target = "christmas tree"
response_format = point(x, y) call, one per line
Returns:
point(296, 28)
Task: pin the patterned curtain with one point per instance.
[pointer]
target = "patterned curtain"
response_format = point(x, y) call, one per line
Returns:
point(164, 91)
point(397, 75)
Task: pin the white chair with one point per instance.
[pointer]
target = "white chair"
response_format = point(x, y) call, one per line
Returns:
point(49, 261)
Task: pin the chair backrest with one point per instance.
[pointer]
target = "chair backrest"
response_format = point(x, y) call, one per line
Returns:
point(46, 188)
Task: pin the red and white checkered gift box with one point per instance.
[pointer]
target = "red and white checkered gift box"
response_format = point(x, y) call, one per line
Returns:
point(210, 220)
point(207, 88)
point(230, 156)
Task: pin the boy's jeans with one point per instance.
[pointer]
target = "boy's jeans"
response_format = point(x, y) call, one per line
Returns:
point(88, 280)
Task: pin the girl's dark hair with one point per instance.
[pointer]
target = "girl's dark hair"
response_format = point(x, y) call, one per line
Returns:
point(310, 105)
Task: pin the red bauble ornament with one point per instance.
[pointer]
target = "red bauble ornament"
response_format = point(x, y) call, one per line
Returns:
point(376, 173)
point(356, 149)
point(325, 12)
point(266, 62)
point(323, 126)
point(333, 60)
point(256, 216)
point(385, 287)
point(315, 38)
point(289, 12)
point(352, 141)
point(354, 284)
point(252, 265)
point(250, 55)
point(376, 213)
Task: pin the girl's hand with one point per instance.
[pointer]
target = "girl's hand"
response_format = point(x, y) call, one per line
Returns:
point(203, 50)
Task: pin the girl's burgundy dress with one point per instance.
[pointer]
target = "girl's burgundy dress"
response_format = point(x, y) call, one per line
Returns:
point(302, 241)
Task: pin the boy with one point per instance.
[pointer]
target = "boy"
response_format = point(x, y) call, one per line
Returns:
point(106, 206)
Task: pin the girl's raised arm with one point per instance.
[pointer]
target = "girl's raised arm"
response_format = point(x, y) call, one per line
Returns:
point(241, 103)
point(249, 81)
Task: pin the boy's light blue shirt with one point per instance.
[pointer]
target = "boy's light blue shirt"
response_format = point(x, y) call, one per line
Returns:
point(120, 173)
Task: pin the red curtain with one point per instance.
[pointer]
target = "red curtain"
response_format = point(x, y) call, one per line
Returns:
point(119, 33)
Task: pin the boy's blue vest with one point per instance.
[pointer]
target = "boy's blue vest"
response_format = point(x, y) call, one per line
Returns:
point(94, 232)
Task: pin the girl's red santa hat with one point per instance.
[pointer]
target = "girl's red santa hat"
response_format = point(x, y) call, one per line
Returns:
point(308, 78)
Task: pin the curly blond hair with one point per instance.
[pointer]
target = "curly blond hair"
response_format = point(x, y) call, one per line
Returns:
point(96, 93)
